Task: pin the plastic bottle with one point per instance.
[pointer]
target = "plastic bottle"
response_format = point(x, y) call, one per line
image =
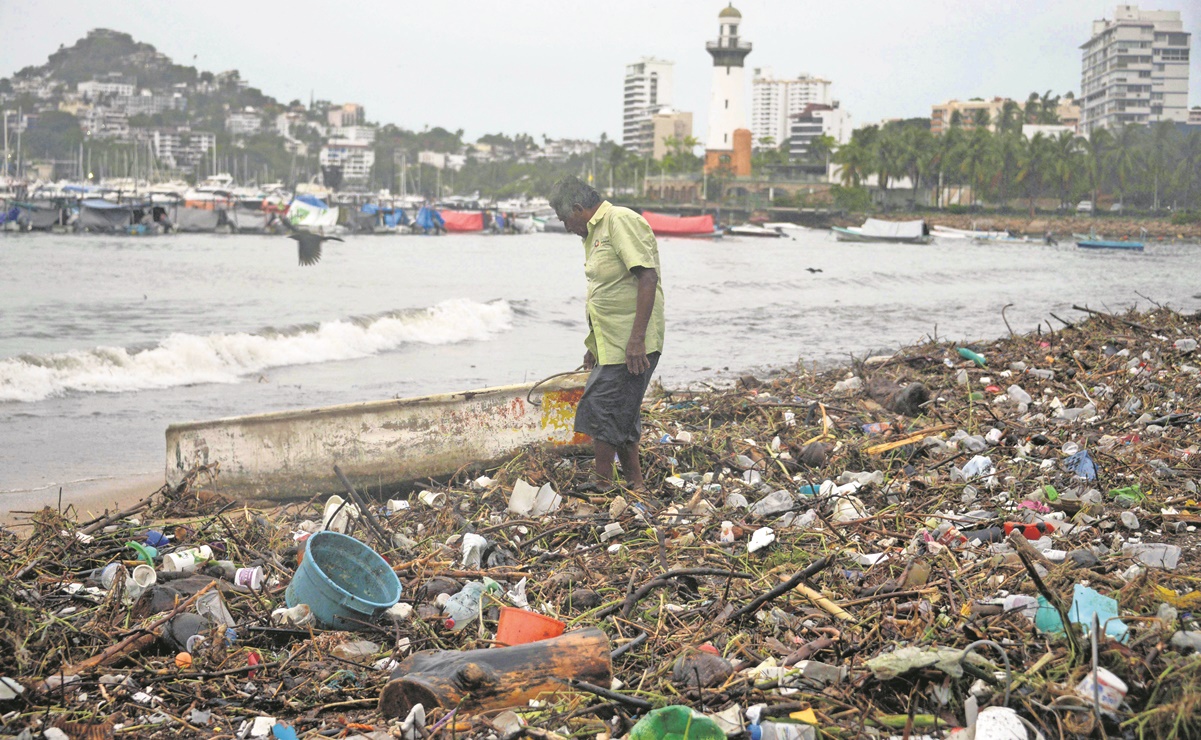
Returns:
point(185, 561)
point(464, 607)
point(781, 731)
point(1018, 395)
point(967, 354)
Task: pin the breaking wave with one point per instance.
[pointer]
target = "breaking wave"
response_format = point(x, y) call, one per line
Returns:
point(189, 359)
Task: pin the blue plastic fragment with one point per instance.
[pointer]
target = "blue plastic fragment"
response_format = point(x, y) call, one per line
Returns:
point(1082, 465)
point(1085, 603)
point(284, 732)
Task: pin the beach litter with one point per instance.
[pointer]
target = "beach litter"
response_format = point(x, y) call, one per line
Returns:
point(863, 552)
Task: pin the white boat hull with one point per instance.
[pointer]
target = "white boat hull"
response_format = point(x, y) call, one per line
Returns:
point(378, 444)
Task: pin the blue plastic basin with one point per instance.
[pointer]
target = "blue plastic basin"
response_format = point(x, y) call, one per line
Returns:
point(341, 578)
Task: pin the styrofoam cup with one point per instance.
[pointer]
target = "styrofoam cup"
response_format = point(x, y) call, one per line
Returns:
point(251, 578)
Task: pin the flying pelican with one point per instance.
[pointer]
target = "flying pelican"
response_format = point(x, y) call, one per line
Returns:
point(308, 244)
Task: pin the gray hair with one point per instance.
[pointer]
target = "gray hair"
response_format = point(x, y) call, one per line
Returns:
point(572, 191)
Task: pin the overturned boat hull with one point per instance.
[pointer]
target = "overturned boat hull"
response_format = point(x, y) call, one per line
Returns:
point(380, 445)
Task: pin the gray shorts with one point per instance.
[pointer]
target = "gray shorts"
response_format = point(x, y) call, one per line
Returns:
point(611, 409)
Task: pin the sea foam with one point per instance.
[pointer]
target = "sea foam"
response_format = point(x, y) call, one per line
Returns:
point(190, 359)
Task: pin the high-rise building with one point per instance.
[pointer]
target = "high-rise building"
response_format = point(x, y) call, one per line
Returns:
point(647, 90)
point(727, 96)
point(775, 101)
point(1135, 69)
point(814, 121)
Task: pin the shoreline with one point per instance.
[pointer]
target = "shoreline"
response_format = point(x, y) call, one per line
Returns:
point(90, 497)
point(1062, 226)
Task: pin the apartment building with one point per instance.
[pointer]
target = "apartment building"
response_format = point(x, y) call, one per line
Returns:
point(1135, 69)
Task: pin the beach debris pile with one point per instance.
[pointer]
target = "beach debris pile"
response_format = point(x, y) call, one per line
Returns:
point(990, 539)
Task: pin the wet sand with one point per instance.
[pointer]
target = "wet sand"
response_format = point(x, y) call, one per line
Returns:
point(90, 498)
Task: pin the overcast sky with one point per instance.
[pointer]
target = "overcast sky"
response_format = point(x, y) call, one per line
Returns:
point(555, 67)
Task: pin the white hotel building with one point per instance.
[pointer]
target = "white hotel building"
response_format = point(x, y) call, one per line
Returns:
point(1135, 69)
point(775, 101)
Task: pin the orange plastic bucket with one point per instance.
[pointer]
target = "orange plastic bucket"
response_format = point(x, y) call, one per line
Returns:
point(519, 626)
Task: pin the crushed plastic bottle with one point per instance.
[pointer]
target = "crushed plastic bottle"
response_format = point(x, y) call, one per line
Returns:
point(1017, 395)
point(464, 607)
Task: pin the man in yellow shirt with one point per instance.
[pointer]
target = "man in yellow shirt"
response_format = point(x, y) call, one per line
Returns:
point(625, 321)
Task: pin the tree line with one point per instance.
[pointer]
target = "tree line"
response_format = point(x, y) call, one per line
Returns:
point(1153, 167)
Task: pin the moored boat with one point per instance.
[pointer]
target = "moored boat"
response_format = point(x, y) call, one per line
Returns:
point(1109, 244)
point(889, 232)
point(664, 224)
point(754, 230)
point(948, 232)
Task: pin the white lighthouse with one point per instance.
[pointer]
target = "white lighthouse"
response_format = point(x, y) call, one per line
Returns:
point(727, 100)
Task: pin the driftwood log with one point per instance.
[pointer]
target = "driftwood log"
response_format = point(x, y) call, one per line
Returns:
point(494, 678)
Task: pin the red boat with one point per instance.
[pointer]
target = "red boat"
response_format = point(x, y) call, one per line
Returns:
point(687, 226)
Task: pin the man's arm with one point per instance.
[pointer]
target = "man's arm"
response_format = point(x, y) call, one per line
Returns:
point(648, 279)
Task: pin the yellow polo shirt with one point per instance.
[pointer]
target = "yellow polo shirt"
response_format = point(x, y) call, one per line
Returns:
point(617, 240)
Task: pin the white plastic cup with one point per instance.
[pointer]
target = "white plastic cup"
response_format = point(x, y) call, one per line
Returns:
point(432, 499)
point(185, 561)
point(144, 576)
point(251, 578)
point(338, 514)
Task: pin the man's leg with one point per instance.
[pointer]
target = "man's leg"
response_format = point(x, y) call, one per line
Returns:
point(631, 466)
point(604, 460)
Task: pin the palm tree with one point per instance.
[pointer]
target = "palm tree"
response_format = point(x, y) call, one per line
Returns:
point(981, 118)
point(917, 155)
point(1011, 118)
point(1065, 164)
point(855, 160)
point(1010, 149)
point(1123, 158)
point(1160, 151)
point(977, 160)
point(1033, 174)
point(820, 148)
point(1048, 108)
point(617, 158)
point(1096, 148)
point(888, 157)
point(1031, 109)
point(1188, 170)
point(942, 163)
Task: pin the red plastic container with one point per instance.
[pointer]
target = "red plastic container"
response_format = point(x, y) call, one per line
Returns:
point(519, 626)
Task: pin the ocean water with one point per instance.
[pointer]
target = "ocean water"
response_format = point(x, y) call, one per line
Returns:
point(104, 341)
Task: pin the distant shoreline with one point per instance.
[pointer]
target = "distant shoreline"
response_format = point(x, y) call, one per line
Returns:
point(1062, 227)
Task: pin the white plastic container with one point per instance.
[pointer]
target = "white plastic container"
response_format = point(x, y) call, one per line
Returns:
point(1111, 693)
point(185, 561)
point(142, 578)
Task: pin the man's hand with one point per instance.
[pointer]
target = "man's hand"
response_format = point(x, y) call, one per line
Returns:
point(636, 360)
point(589, 360)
